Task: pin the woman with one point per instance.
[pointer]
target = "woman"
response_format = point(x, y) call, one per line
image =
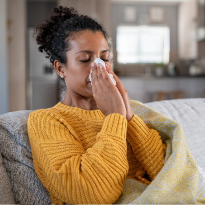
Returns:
point(86, 146)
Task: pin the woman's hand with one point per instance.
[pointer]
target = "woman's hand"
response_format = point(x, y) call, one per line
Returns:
point(105, 93)
point(123, 92)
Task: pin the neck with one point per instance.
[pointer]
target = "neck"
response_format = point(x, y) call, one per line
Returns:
point(80, 101)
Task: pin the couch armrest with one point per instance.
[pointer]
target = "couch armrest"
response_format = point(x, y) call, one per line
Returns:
point(190, 114)
point(6, 194)
point(17, 159)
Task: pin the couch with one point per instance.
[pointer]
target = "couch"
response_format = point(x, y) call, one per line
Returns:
point(19, 183)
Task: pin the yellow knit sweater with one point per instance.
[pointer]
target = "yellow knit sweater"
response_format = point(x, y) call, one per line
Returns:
point(84, 157)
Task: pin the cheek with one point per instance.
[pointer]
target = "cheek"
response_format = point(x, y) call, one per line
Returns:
point(83, 69)
point(78, 70)
point(78, 75)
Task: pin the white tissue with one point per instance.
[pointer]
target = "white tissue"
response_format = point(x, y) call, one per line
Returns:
point(97, 61)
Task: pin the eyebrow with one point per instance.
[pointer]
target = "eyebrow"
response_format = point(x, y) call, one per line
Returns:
point(87, 51)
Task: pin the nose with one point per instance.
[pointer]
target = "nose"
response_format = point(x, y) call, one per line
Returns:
point(94, 60)
point(99, 61)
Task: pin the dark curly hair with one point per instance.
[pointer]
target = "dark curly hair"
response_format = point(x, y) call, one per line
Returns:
point(53, 35)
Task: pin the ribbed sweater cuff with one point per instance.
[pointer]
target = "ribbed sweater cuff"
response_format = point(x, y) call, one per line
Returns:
point(147, 146)
point(115, 124)
point(137, 128)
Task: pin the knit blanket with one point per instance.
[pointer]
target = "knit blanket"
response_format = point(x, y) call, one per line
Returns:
point(179, 181)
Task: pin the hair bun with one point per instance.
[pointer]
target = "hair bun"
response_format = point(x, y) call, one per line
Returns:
point(65, 12)
point(53, 34)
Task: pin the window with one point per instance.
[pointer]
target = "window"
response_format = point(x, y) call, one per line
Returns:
point(143, 44)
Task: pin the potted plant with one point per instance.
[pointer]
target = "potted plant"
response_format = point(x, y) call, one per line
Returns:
point(159, 69)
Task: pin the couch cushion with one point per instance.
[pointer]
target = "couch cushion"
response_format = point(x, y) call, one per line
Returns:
point(17, 158)
point(6, 195)
point(190, 113)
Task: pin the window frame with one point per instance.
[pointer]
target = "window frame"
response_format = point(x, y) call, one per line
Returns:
point(165, 58)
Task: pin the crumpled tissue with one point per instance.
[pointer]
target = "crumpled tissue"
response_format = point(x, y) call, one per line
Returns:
point(100, 61)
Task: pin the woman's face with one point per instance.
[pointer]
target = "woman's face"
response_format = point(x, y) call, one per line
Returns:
point(85, 47)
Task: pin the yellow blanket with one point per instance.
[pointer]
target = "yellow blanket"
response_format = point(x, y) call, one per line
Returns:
point(179, 181)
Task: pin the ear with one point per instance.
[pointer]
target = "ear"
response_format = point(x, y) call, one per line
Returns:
point(60, 68)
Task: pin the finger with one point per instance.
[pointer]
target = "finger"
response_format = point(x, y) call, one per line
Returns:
point(108, 67)
point(106, 78)
point(100, 76)
point(109, 70)
point(119, 85)
point(95, 81)
point(118, 81)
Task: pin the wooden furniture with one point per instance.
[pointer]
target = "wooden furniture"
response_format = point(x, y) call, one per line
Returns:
point(165, 95)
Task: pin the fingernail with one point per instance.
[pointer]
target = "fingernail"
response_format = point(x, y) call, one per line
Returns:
point(92, 64)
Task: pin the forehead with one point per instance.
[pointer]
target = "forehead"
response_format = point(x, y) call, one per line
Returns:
point(89, 40)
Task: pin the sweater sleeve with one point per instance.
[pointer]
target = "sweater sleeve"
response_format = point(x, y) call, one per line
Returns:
point(147, 146)
point(72, 174)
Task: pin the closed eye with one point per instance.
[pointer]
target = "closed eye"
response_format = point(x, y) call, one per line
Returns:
point(84, 61)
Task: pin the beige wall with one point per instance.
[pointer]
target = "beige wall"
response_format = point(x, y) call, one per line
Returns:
point(82, 6)
point(187, 30)
point(3, 58)
point(97, 9)
point(17, 54)
point(104, 12)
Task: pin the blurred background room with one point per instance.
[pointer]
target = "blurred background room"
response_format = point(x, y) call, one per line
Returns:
point(158, 49)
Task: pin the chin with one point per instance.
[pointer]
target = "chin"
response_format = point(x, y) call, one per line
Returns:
point(88, 93)
point(90, 89)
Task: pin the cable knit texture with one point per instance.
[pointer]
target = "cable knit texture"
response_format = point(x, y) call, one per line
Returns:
point(84, 157)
